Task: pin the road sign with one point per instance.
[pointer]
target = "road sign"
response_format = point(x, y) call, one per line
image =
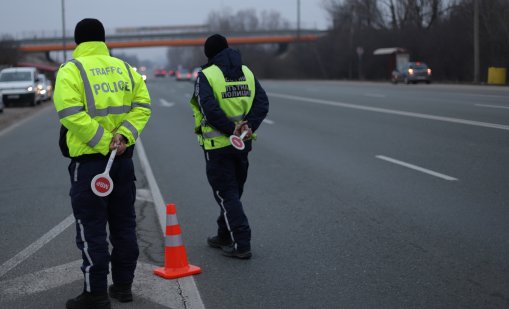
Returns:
point(101, 184)
point(237, 141)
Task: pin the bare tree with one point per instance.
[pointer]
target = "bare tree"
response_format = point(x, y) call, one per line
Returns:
point(9, 53)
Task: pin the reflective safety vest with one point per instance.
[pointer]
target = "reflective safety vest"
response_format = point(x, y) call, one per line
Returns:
point(96, 96)
point(235, 98)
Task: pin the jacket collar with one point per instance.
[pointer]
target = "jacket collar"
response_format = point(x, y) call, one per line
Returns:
point(229, 61)
point(90, 48)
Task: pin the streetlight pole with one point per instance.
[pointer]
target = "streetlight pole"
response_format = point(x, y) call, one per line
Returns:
point(476, 41)
point(298, 19)
point(63, 31)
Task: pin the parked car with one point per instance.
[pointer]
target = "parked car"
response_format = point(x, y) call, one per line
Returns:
point(45, 87)
point(183, 74)
point(412, 72)
point(194, 74)
point(19, 85)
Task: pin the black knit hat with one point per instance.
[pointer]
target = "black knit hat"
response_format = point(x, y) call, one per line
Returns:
point(89, 30)
point(214, 44)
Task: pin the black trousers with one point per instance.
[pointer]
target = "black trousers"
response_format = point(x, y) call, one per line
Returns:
point(92, 213)
point(227, 172)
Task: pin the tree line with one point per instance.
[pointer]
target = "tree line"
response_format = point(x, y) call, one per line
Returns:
point(438, 32)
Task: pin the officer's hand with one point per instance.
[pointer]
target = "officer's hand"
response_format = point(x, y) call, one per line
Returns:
point(249, 133)
point(238, 127)
point(119, 142)
point(245, 127)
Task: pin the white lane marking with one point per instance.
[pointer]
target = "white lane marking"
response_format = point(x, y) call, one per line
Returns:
point(375, 95)
point(393, 112)
point(152, 184)
point(187, 284)
point(40, 281)
point(146, 285)
point(492, 106)
point(166, 103)
point(417, 168)
point(38, 244)
point(268, 121)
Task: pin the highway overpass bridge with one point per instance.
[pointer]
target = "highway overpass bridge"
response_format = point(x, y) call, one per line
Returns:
point(136, 40)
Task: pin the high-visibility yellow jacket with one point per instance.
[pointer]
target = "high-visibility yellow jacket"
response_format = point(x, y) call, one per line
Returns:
point(96, 96)
point(234, 97)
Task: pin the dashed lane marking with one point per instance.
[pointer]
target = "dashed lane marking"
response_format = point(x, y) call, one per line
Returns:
point(166, 103)
point(492, 106)
point(417, 168)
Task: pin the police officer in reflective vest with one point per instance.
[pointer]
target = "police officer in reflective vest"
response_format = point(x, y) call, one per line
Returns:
point(102, 104)
point(227, 100)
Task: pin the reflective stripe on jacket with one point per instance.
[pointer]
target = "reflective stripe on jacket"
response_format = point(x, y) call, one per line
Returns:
point(234, 97)
point(96, 96)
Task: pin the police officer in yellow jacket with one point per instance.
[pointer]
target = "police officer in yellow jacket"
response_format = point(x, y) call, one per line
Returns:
point(227, 100)
point(102, 104)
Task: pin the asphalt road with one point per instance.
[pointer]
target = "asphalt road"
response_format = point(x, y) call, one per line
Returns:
point(360, 195)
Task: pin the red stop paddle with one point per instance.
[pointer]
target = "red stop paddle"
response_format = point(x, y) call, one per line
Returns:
point(102, 185)
point(237, 141)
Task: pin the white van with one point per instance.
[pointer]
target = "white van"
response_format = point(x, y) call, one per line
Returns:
point(20, 85)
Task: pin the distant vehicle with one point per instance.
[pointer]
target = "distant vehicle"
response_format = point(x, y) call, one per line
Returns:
point(142, 72)
point(19, 85)
point(45, 88)
point(183, 74)
point(194, 74)
point(171, 72)
point(412, 72)
point(159, 72)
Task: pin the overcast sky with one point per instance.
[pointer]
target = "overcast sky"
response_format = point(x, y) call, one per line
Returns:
point(21, 18)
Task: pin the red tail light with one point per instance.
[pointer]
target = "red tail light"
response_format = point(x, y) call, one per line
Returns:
point(429, 71)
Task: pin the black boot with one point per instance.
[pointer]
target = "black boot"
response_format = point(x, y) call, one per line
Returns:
point(217, 242)
point(122, 292)
point(89, 301)
point(231, 251)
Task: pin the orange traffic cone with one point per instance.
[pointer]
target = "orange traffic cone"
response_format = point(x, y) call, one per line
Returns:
point(175, 257)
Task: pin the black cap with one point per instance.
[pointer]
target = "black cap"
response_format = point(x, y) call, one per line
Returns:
point(215, 44)
point(89, 30)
